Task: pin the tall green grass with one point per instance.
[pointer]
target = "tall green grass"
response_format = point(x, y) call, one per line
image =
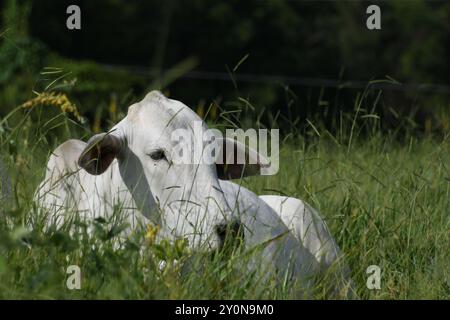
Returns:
point(385, 197)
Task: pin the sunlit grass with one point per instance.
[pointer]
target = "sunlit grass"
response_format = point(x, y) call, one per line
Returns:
point(385, 198)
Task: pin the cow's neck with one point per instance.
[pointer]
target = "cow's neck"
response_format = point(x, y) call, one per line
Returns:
point(132, 175)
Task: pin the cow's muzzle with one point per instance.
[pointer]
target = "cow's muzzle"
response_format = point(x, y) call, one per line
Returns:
point(231, 235)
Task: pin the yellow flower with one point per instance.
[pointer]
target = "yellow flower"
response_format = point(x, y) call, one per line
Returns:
point(152, 232)
point(58, 100)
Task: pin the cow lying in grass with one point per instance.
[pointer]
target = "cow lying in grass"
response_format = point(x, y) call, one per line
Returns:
point(135, 165)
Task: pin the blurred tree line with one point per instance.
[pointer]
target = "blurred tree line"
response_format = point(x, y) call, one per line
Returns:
point(212, 51)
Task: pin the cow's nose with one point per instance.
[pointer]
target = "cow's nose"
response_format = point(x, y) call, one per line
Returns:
point(230, 233)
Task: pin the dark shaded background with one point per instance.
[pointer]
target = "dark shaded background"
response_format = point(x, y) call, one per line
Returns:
point(304, 59)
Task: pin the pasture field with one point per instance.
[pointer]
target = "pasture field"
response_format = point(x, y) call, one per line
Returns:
point(385, 196)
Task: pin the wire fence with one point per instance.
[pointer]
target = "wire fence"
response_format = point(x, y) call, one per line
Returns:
point(387, 84)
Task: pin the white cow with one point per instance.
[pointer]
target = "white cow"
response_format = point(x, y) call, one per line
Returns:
point(134, 166)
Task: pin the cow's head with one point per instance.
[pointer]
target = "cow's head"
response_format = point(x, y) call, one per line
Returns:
point(183, 197)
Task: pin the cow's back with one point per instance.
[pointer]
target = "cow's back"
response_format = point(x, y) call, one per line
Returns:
point(312, 231)
point(69, 191)
point(307, 226)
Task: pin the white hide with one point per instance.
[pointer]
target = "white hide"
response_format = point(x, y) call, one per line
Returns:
point(295, 240)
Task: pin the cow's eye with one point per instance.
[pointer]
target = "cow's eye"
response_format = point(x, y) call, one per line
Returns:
point(157, 154)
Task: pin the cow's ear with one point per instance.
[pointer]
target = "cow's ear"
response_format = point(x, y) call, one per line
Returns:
point(99, 152)
point(231, 166)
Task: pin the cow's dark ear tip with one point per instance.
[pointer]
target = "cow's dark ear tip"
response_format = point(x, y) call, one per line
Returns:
point(99, 153)
point(82, 160)
point(89, 164)
point(89, 161)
